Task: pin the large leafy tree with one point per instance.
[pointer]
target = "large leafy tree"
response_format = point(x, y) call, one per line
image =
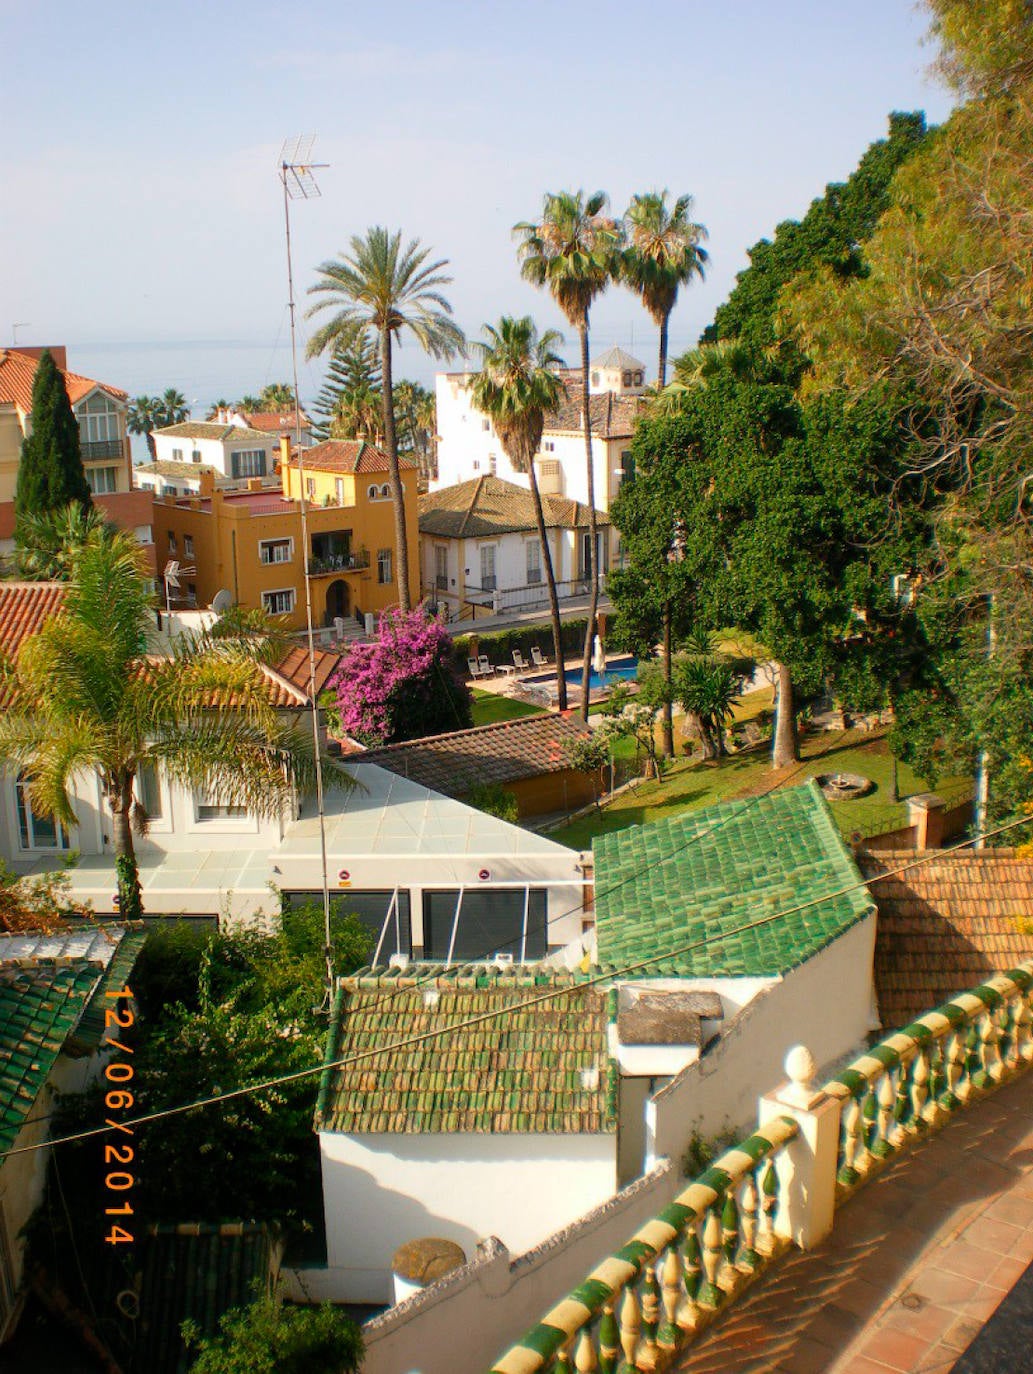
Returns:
point(663, 252)
point(270, 1338)
point(417, 412)
point(392, 289)
point(350, 404)
point(86, 697)
point(50, 473)
point(516, 387)
point(573, 252)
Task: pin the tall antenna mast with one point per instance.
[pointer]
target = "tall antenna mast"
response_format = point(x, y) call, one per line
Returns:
point(296, 174)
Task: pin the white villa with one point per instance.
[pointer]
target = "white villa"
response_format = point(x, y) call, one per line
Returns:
point(233, 451)
point(468, 446)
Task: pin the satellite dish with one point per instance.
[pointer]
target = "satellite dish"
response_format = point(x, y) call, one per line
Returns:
point(223, 601)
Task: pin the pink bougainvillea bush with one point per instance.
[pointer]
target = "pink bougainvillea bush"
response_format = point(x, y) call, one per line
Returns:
point(403, 684)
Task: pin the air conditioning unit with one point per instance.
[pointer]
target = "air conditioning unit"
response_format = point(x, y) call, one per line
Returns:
point(503, 960)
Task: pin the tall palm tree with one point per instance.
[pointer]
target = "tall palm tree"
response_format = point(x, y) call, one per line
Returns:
point(143, 419)
point(389, 288)
point(516, 386)
point(84, 697)
point(662, 254)
point(573, 252)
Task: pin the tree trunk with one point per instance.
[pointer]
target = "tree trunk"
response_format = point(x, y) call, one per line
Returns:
point(391, 445)
point(661, 372)
point(593, 569)
point(550, 576)
point(786, 747)
point(667, 718)
point(152, 447)
point(120, 795)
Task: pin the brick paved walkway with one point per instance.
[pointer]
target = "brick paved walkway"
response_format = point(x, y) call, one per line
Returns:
point(918, 1261)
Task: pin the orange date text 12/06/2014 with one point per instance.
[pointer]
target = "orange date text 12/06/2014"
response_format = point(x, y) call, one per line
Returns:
point(119, 1155)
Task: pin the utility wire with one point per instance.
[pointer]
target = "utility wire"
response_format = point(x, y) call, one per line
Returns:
point(500, 1013)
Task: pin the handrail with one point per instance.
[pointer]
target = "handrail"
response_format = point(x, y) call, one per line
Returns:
point(675, 1273)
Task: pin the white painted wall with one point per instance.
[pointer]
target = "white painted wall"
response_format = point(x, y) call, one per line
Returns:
point(217, 453)
point(380, 1191)
point(826, 1004)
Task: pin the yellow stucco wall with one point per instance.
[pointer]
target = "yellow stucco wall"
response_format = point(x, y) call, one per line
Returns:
point(227, 531)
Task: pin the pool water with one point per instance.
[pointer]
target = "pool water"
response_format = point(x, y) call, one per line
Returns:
point(617, 669)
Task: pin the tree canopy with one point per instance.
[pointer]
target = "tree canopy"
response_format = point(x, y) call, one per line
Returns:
point(50, 473)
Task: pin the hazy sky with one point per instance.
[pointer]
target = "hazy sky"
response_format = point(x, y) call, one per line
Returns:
point(140, 199)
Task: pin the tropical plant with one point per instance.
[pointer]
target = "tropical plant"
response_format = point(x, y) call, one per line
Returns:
point(391, 289)
point(148, 413)
point(708, 689)
point(516, 386)
point(662, 254)
point(350, 404)
point(417, 412)
point(403, 684)
point(84, 696)
point(271, 1338)
point(48, 543)
point(573, 251)
point(216, 406)
point(50, 472)
point(276, 396)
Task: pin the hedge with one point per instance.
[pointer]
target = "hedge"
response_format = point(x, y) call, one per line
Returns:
point(499, 644)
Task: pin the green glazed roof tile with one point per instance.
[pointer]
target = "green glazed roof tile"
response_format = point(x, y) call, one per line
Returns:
point(536, 1068)
point(710, 873)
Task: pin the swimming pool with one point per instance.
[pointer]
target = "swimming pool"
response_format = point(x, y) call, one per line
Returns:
point(617, 669)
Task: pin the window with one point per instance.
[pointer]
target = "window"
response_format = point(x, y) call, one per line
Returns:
point(35, 831)
point(148, 790)
point(486, 426)
point(476, 465)
point(371, 493)
point(372, 909)
point(177, 455)
point(279, 602)
point(209, 810)
point(173, 548)
point(638, 379)
point(101, 481)
point(595, 379)
point(171, 491)
point(489, 919)
point(275, 551)
point(627, 465)
point(191, 593)
point(441, 567)
point(384, 566)
point(249, 462)
point(188, 546)
point(549, 446)
point(98, 421)
point(310, 488)
point(493, 463)
point(385, 491)
point(534, 560)
point(339, 490)
point(488, 567)
point(625, 379)
point(195, 456)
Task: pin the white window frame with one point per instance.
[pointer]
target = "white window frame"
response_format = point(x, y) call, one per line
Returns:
point(339, 490)
point(98, 421)
point(267, 545)
point(102, 481)
point(256, 457)
point(177, 455)
point(280, 591)
point(385, 557)
point(536, 546)
point(173, 546)
point(188, 546)
point(489, 553)
point(22, 801)
point(161, 823)
point(248, 823)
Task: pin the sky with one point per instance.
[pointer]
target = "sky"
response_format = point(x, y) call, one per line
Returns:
point(141, 221)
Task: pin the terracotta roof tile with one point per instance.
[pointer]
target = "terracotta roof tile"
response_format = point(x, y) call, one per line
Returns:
point(275, 421)
point(210, 429)
point(294, 668)
point(24, 607)
point(17, 371)
point(351, 455)
point(946, 926)
point(504, 752)
point(489, 505)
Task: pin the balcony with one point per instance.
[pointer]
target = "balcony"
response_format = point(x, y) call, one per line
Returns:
point(334, 563)
point(103, 448)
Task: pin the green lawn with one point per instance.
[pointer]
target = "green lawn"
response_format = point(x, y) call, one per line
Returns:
point(688, 785)
point(489, 707)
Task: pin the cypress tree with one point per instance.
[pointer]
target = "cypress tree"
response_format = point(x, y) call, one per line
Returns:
point(50, 474)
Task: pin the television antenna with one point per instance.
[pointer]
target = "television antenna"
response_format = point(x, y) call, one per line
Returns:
point(296, 176)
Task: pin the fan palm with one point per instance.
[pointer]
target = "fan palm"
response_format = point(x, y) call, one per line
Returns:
point(662, 254)
point(390, 288)
point(516, 386)
point(143, 419)
point(48, 542)
point(173, 405)
point(573, 252)
point(84, 697)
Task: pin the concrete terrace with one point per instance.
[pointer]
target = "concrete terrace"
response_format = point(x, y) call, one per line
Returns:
point(917, 1263)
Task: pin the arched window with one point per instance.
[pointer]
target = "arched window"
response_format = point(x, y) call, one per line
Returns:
point(385, 490)
point(371, 493)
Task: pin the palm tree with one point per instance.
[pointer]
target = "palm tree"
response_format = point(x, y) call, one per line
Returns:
point(276, 396)
point(516, 386)
point(663, 253)
point(389, 288)
point(84, 697)
point(142, 419)
point(213, 410)
point(49, 542)
point(572, 251)
point(174, 408)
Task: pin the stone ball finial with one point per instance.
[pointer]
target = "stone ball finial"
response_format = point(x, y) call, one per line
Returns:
point(800, 1066)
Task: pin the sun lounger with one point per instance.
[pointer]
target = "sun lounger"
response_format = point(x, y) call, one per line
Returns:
point(538, 658)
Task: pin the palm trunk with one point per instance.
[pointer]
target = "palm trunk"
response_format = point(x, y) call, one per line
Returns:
point(391, 445)
point(786, 748)
point(152, 447)
point(130, 904)
point(593, 570)
point(667, 725)
point(661, 372)
point(550, 576)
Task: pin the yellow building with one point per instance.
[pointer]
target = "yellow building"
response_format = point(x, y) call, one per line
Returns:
point(101, 412)
point(248, 543)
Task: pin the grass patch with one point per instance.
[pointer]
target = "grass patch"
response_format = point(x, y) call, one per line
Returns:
point(687, 786)
point(489, 707)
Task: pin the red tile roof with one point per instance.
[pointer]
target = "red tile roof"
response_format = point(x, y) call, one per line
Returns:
point(504, 752)
point(294, 668)
point(17, 371)
point(24, 607)
point(275, 422)
point(351, 455)
point(945, 926)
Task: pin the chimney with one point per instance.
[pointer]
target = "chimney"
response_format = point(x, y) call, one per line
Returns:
point(254, 484)
point(207, 483)
point(925, 814)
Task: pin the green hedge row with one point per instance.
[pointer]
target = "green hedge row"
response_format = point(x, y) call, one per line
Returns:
point(499, 644)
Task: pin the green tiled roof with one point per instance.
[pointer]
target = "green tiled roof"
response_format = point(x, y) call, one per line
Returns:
point(533, 1069)
point(39, 1008)
point(90, 1030)
point(196, 1271)
point(710, 872)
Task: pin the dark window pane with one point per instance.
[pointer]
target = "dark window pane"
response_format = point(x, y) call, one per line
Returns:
point(370, 908)
point(490, 922)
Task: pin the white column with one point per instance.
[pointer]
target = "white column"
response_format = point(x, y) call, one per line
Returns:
point(807, 1170)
